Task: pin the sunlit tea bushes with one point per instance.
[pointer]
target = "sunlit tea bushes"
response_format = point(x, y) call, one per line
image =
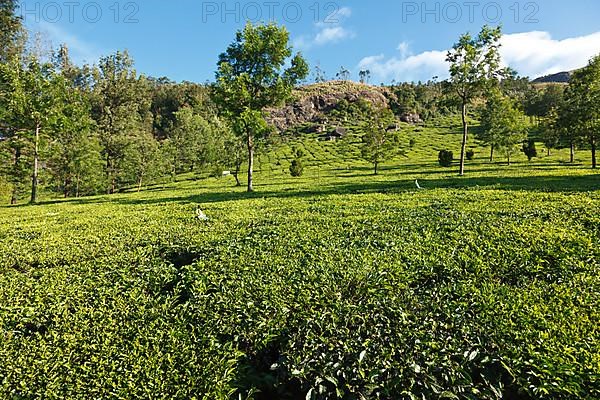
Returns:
point(336, 285)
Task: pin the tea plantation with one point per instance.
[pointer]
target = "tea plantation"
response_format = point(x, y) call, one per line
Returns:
point(335, 285)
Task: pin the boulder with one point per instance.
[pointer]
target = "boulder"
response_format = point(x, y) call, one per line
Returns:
point(411, 118)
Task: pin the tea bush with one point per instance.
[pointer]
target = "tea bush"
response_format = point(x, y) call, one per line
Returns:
point(445, 158)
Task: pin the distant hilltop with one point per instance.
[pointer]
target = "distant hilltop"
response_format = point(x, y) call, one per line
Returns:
point(561, 77)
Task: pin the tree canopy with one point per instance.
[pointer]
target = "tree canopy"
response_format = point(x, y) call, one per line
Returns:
point(251, 77)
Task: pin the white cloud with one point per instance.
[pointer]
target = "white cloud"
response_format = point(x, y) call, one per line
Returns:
point(79, 51)
point(532, 54)
point(407, 67)
point(329, 31)
point(404, 49)
point(332, 35)
point(344, 12)
point(536, 54)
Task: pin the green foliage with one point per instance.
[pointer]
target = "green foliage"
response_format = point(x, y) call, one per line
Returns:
point(251, 77)
point(345, 286)
point(31, 107)
point(446, 158)
point(121, 109)
point(470, 154)
point(580, 113)
point(551, 133)
point(297, 168)
point(234, 153)
point(474, 69)
point(529, 149)
point(429, 100)
point(74, 160)
point(191, 141)
point(351, 111)
point(379, 142)
point(6, 190)
point(503, 125)
point(168, 98)
point(11, 30)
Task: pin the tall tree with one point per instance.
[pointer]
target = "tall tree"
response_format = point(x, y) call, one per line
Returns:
point(121, 109)
point(251, 77)
point(142, 159)
point(319, 74)
point(343, 74)
point(582, 105)
point(379, 141)
point(491, 121)
point(11, 31)
point(75, 162)
point(565, 125)
point(191, 141)
point(550, 133)
point(365, 76)
point(474, 66)
point(503, 124)
point(169, 97)
point(29, 95)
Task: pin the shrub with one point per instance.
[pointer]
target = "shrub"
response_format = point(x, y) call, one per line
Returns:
point(529, 149)
point(445, 158)
point(470, 154)
point(297, 169)
point(216, 171)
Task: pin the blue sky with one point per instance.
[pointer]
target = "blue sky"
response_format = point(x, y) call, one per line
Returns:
point(396, 40)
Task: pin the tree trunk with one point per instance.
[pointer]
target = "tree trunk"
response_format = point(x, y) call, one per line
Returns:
point(66, 186)
point(508, 158)
point(174, 170)
point(376, 168)
point(463, 150)
point(36, 160)
point(492, 153)
point(250, 162)
point(236, 175)
point(77, 187)
point(593, 143)
point(14, 196)
point(549, 152)
point(572, 152)
point(140, 181)
point(109, 173)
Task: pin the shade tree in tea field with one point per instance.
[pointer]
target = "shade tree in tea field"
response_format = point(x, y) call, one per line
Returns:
point(503, 125)
point(475, 66)
point(251, 77)
point(381, 139)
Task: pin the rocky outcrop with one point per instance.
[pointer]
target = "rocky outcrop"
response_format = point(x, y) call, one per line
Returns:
point(411, 118)
point(311, 103)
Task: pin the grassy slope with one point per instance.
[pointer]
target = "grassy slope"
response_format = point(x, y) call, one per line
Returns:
point(342, 275)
